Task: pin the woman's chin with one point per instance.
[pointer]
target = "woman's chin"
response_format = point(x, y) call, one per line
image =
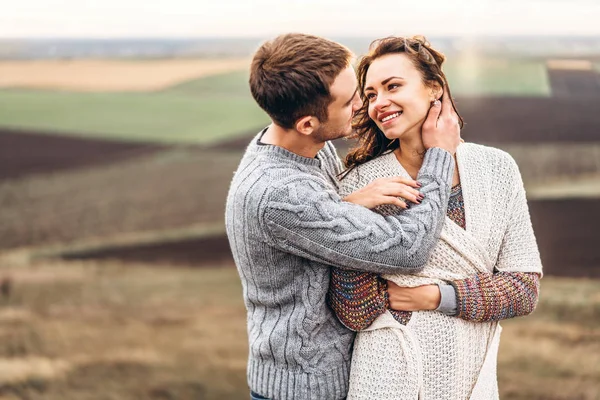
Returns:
point(393, 134)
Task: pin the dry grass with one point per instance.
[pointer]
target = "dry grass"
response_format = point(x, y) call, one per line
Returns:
point(109, 331)
point(110, 75)
point(122, 333)
point(577, 65)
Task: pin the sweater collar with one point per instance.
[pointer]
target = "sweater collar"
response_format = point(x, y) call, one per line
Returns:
point(263, 148)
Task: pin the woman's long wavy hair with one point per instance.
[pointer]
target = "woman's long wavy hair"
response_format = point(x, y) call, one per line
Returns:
point(371, 141)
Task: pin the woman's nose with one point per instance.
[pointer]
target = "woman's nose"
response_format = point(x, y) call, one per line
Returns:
point(381, 102)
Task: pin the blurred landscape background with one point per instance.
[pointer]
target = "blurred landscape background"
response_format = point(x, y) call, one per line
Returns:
point(116, 279)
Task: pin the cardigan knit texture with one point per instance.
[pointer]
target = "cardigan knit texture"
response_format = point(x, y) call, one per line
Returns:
point(431, 355)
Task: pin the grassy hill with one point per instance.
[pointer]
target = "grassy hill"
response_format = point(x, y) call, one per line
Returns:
point(199, 111)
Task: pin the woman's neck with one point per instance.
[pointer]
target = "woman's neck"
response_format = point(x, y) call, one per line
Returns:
point(410, 154)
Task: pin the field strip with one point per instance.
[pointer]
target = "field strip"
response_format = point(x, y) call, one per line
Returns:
point(570, 64)
point(111, 75)
point(540, 163)
point(575, 187)
point(23, 256)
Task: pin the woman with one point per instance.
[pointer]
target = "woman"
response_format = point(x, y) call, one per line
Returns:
point(487, 251)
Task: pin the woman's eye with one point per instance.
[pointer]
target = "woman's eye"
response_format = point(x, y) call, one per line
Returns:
point(370, 96)
point(393, 86)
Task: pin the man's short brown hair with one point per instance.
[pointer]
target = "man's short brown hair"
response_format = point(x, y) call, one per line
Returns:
point(290, 76)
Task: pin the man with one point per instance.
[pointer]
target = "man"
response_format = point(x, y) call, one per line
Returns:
point(286, 223)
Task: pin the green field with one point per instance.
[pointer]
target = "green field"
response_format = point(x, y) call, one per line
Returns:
point(216, 107)
point(497, 77)
point(200, 111)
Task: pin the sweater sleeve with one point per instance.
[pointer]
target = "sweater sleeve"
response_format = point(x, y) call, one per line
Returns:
point(306, 217)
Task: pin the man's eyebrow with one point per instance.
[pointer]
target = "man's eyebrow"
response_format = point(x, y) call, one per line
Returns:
point(353, 94)
point(385, 81)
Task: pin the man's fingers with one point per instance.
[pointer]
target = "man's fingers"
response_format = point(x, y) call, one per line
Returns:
point(447, 109)
point(432, 116)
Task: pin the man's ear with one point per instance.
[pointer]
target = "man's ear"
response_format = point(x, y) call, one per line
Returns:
point(307, 125)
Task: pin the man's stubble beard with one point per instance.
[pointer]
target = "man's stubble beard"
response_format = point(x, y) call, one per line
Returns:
point(324, 134)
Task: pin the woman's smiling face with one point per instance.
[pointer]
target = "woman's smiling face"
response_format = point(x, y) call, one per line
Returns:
point(398, 98)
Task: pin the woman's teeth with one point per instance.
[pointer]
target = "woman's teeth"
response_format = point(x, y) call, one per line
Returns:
point(394, 115)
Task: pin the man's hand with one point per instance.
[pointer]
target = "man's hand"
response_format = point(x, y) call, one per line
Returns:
point(419, 298)
point(441, 128)
point(381, 191)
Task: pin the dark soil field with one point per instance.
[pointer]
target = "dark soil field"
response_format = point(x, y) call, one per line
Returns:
point(575, 83)
point(530, 120)
point(25, 152)
point(212, 251)
point(56, 190)
point(511, 120)
point(566, 232)
point(159, 190)
point(568, 236)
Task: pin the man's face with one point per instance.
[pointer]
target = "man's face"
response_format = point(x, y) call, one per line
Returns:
point(346, 102)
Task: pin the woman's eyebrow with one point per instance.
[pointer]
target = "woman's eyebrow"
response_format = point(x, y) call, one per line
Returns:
point(385, 81)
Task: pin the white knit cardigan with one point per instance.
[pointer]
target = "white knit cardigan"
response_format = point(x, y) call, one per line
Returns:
point(437, 357)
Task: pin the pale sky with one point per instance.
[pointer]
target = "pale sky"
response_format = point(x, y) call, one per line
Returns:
point(259, 18)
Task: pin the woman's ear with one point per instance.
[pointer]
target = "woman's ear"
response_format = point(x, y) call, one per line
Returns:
point(436, 91)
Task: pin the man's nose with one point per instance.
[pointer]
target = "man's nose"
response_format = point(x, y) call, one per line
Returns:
point(357, 103)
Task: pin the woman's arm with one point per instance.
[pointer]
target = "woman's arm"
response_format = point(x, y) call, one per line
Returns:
point(357, 298)
point(478, 298)
point(503, 295)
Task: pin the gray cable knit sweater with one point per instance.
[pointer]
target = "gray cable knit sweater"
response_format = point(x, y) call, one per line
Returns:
point(286, 224)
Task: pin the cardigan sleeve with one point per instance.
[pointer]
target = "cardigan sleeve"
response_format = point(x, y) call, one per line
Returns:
point(357, 298)
point(513, 289)
point(503, 295)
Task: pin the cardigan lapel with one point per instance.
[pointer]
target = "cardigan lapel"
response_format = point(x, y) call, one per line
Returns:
point(470, 243)
point(477, 203)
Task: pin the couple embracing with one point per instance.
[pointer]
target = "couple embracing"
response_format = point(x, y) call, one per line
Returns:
point(386, 276)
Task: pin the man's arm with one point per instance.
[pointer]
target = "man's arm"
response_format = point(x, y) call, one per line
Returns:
point(307, 218)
